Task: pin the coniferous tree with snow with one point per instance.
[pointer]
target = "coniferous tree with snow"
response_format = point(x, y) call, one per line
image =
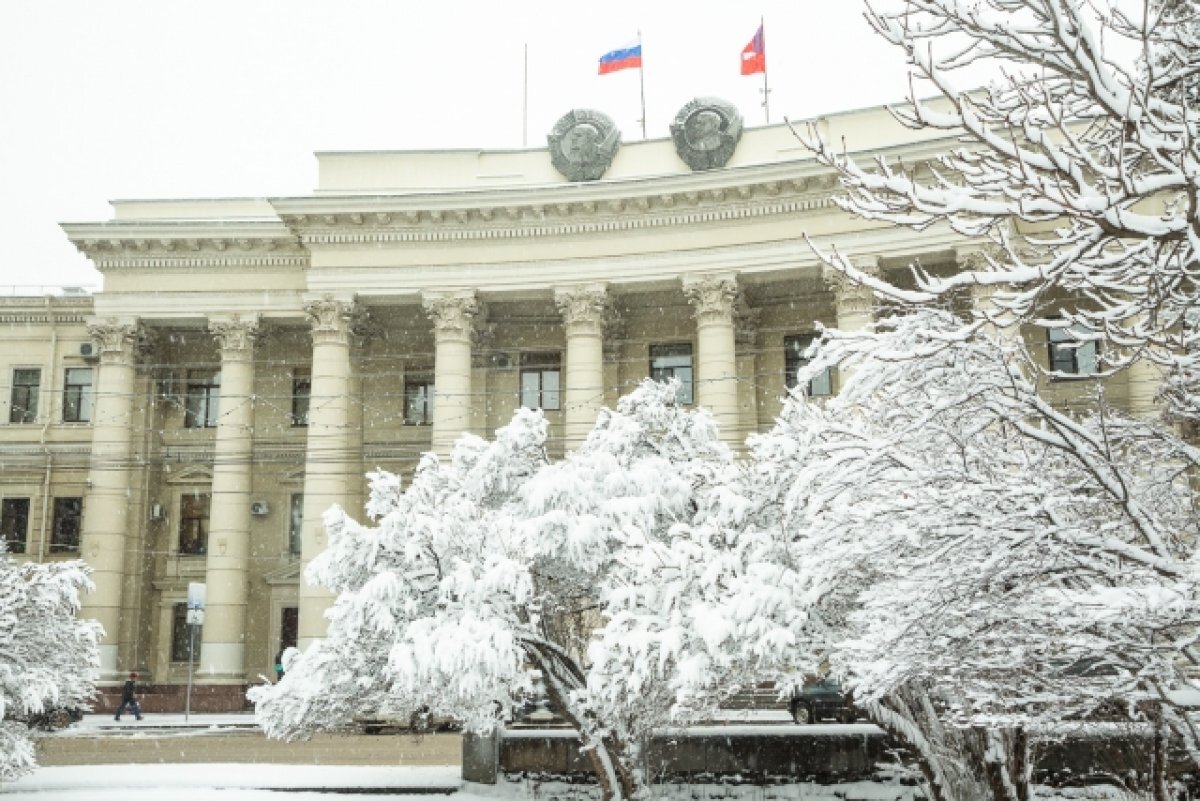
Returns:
point(48, 657)
point(496, 565)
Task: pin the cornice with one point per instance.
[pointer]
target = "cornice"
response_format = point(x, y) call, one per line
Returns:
point(561, 209)
point(45, 310)
point(241, 244)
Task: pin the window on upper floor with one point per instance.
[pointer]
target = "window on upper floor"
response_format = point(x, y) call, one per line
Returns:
point(1071, 354)
point(202, 398)
point(193, 523)
point(418, 400)
point(301, 395)
point(541, 381)
point(14, 524)
point(23, 402)
point(794, 348)
point(185, 643)
point(67, 522)
point(673, 360)
point(77, 395)
point(296, 524)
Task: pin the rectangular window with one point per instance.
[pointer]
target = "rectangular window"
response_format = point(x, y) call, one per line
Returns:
point(673, 361)
point(820, 386)
point(289, 627)
point(64, 532)
point(193, 524)
point(23, 404)
point(14, 523)
point(540, 381)
point(1070, 353)
point(185, 644)
point(77, 395)
point(203, 398)
point(418, 401)
point(296, 524)
point(301, 394)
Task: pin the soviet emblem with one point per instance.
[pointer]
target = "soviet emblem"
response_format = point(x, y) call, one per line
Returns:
point(583, 143)
point(706, 131)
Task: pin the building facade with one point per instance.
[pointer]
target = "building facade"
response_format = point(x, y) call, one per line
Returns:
point(248, 360)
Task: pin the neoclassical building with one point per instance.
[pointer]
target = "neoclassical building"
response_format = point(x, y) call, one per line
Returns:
point(248, 360)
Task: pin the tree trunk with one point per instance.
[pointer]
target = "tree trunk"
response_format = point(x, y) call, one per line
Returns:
point(606, 753)
point(1021, 768)
point(1158, 777)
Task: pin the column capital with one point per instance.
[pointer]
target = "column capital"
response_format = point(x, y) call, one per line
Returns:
point(713, 297)
point(235, 336)
point(453, 314)
point(851, 295)
point(120, 341)
point(332, 319)
point(587, 304)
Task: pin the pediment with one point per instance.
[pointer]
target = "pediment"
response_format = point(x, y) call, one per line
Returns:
point(191, 474)
point(286, 574)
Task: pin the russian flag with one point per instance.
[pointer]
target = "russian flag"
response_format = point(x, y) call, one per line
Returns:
point(623, 58)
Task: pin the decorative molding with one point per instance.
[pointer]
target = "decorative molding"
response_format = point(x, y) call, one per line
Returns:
point(713, 298)
point(235, 337)
point(706, 132)
point(583, 143)
point(746, 320)
point(120, 342)
point(332, 320)
point(584, 307)
point(453, 315)
point(850, 296)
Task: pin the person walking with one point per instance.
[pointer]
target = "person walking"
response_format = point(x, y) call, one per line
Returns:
point(129, 698)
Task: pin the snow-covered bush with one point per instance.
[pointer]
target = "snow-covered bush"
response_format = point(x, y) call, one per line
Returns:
point(48, 657)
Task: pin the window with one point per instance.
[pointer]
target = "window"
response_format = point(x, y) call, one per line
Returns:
point(301, 394)
point(819, 386)
point(540, 377)
point(193, 524)
point(289, 627)
point(296, 524)
point(77, 395)
point(14, 523)
point(64, 533)
point(1070, 353)
point(673, 361)
point(418, 401)
point(23, 405)
point(202, 399)
point(185, 644)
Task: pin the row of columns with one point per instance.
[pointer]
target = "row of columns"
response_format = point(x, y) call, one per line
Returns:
point(334, 438)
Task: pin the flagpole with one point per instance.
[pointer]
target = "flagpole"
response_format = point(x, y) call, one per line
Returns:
point(642, 82)
point(762, 26)
point(525, 101)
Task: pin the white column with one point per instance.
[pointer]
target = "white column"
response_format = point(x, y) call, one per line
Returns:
point(453, 316)
point(854, 307)
point(713, 299)
point(106, 506)
point(585, 310)
point(327, 467)
point(222, 650)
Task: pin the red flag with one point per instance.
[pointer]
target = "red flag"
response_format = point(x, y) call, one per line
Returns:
point(754, 55)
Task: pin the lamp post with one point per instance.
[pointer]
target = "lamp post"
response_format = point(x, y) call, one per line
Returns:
point(195, 618)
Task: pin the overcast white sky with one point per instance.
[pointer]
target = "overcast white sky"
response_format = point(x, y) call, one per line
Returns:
point(226, 98)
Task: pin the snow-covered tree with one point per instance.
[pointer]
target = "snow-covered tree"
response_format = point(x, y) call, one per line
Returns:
point(497, 564)
point(48, 657)
point(1080, 163)
point(974, 557)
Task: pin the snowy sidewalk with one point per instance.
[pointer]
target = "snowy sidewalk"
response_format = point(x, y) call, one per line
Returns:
point(205, 781)
point(93, 725)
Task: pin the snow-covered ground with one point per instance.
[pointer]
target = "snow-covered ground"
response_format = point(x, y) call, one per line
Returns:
point(97, 725)
point(226, 782)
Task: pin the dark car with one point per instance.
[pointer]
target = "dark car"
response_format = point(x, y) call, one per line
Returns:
point(820, 701)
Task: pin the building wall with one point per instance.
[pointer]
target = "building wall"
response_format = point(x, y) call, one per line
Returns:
point(365, 287)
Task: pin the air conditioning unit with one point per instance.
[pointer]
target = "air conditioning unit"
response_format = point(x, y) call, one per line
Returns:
point(259, 508)
point(89, 351)
point(157, 512)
